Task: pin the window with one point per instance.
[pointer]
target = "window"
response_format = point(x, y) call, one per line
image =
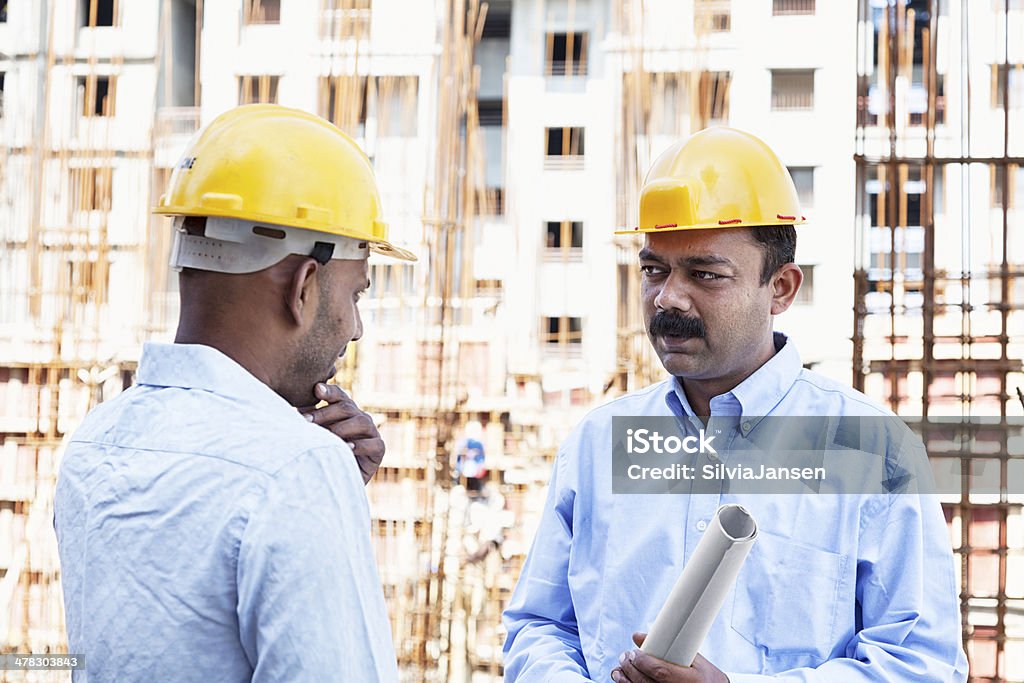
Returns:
point(498, 22)
point(939, 190)
point(917, 101)
point(257, 89)
point(96, 93)
point(1015, 76)
point(491, 202)
point(90, 188)
point(562, 334)
point(567, 54)
point(786, 7)
point(93, 13)
point(564, 148)
point(1016, 185)
point(868, 101)
point(908, 246)
point(672, 108)
point(491, 116)
point(2, 74)
point(713, 95)
point(792, 90)
point(391, 101)
point(878, 209)
point(262, 11)
point(805, 295)
point(491, 112)
point(343, 102)
point(908, 209)
point(712, 16)
point(564, 240)
point(396, 106)
point(3, 11)
point(803, 178)
point(346, 19)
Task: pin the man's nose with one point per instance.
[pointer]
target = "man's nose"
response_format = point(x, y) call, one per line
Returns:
point(358, 332)
point(674, 295)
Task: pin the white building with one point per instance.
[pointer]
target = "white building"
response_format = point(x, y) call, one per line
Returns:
point(778, 69)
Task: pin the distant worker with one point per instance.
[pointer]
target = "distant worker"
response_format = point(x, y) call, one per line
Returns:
point(837, 588)
point(471, 460)
point(209, 530)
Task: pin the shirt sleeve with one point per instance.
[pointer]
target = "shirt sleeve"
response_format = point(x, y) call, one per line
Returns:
point(310, 606)
point(907, 594)
point(543, 642)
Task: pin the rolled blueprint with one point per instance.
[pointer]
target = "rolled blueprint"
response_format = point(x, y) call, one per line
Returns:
point(693, 604)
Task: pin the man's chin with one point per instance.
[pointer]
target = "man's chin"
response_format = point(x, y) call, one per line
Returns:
point(681, 364)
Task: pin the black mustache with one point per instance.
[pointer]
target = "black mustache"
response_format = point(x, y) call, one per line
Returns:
point(665, 324)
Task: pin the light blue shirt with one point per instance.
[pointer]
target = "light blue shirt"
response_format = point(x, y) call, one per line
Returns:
point(208, 532)
point(837, 588)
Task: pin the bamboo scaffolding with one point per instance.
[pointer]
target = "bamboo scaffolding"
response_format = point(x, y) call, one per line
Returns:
point(653, 106)
point(943, 338)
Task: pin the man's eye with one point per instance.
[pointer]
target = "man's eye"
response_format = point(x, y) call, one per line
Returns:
point(651, 271)
point(705, 275)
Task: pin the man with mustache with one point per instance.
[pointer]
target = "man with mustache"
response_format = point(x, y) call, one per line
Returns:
point(837, 587)
point(208, 530)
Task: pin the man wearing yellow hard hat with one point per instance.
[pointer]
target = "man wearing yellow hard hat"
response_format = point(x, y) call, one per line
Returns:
point(836, 588)
point(208, 530)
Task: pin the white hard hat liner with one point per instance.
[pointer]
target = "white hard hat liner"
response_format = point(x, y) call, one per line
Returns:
point(231, 245)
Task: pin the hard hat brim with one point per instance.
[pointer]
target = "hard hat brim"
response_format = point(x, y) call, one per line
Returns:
point(388, 249)
point(708, 226)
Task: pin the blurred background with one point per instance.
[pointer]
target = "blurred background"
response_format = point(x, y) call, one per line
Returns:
point(510, 138)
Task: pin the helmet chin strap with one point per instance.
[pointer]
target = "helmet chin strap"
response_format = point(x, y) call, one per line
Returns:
point(237, 246)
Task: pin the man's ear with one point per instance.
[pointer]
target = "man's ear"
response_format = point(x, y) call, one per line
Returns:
point(784, 286)
point(302, 291)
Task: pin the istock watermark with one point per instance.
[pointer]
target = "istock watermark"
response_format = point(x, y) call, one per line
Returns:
point(978, 457)
point(647, 441)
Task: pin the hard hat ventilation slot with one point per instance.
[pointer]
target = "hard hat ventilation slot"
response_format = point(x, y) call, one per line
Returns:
point(785, 218)
point(666, 225)
point(272, 233)
point(731, 221)
point(322, 252)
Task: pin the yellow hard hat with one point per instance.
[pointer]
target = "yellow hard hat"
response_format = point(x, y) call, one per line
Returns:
point(286, 167)
point(717, 178)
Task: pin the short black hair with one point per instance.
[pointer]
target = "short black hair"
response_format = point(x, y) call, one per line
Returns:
point(778, 242)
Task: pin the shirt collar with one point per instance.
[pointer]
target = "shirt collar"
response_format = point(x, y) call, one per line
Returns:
point(758, 394)
point(204, 368)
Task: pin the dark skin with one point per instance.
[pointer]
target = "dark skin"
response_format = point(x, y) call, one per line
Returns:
point(305, 314)
point(348, 422)
point(714, 276)
point(639, 667)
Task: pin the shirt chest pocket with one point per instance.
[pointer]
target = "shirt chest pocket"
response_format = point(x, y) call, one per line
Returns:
point(786, 597)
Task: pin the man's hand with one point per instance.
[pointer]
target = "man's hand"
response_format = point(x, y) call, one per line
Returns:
point(639, 667)
point(342, 417)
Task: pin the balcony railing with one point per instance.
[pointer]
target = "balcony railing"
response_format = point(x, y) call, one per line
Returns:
point(563, 162)
point(786, 7)
point(792, 100)
point(345, 23)
point(564, 67)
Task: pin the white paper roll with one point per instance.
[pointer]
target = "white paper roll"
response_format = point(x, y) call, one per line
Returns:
point(693, 604)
